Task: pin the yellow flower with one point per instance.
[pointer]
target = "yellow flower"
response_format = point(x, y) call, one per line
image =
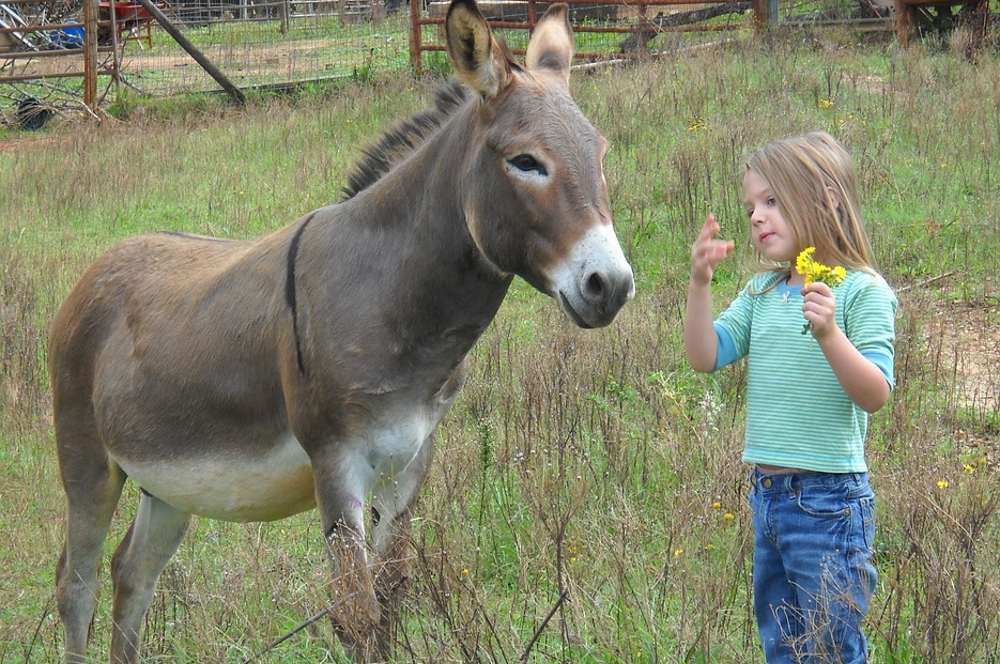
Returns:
point(728, 516)
point(678, 553)
point(465, 572)
point(969, 467)
point(716, 505)
point(697, 125)
point(812, 270)
point(825, 103)
point(943, 484)
point(803, 259)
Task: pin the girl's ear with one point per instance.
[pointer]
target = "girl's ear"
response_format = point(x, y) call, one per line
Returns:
point(834, 198)
point(840, 213)
point(479, 61)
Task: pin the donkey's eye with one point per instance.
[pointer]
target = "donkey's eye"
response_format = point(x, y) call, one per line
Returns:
point(527, 163)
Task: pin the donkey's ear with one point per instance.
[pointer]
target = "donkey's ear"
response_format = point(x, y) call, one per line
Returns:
point(480, 62)
point(551, 45)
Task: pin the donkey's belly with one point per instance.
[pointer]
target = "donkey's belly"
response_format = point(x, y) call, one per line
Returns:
point(268, 486)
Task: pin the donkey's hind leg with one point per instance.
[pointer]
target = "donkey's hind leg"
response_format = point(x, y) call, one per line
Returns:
point(93, 486)
point(151, 540)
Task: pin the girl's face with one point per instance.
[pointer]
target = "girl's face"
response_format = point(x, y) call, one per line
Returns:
point(772, 237)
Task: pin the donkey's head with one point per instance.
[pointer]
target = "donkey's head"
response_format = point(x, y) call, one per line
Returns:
point(533, 188)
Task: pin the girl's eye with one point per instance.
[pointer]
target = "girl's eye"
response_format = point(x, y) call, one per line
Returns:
point(771, 201)
point(527, 163)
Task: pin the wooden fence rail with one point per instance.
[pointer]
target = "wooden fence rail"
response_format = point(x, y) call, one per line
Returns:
point(88, 52)
point(643, 27)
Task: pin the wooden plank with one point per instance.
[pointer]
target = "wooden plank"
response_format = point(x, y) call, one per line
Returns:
point(29, 55)
point(521, 25)
point(612, 30)
point(904, 23)
point(759, 15)
point(416, 50)
point(32, 77)
point(116, 63)
point(43, 26)
point(861, 24)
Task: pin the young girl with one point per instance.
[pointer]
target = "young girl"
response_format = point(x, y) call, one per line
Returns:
point(809, 394)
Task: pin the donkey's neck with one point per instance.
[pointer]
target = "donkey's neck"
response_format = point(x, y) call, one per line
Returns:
point(399, 257)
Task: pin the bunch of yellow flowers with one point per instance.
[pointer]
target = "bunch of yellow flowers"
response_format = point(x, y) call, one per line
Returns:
point(806, 265)
point(813, 270)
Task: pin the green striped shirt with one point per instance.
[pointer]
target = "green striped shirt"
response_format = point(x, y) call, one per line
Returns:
point(798, 415)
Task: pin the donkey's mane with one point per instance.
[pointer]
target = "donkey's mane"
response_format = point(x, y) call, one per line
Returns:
point(404, 138)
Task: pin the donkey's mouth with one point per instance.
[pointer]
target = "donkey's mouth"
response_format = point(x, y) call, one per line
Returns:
point(572, 313)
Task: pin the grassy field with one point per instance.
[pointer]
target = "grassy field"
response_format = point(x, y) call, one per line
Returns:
point(595, 463)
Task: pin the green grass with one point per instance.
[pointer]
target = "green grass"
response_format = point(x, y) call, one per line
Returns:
point(634, 449)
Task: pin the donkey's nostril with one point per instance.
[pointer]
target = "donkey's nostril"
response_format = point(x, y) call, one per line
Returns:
point(595, 286)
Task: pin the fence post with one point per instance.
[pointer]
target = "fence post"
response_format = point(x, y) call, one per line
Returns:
point(284, 16)
point(532, 16)
point(416, 61)
point(760, 16)
point(904, 23)
point(645, 32)
point(116, 55)
point(90, 54)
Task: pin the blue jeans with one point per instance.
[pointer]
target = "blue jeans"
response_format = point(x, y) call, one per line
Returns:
point(813, 576)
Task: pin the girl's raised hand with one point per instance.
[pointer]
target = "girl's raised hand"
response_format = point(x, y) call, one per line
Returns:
point(708, 252)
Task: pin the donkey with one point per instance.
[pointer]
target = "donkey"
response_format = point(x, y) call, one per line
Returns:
point(252, 380)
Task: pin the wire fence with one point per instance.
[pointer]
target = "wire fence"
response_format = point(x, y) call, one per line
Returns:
point(262, 43)
point(277, 42)
point(267, 43)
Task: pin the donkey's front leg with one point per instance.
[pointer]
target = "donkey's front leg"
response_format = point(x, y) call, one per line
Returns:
point(342, 481)
point(391, 507)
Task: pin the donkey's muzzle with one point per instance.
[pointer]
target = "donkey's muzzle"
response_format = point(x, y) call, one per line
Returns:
point(605, 292)
point(600, 296)
point(595, 280)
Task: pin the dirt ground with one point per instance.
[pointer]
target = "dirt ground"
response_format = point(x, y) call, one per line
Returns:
point(962, 340)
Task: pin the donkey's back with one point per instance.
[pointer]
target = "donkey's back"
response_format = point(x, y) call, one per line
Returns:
point(165, 368)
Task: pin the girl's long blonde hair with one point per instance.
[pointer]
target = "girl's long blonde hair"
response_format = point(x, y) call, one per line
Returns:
point(812, 179)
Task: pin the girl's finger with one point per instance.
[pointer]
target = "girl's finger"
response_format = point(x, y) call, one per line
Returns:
point(817, 308)
point(709, 229)
point(813, 296)
point(818, 287)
